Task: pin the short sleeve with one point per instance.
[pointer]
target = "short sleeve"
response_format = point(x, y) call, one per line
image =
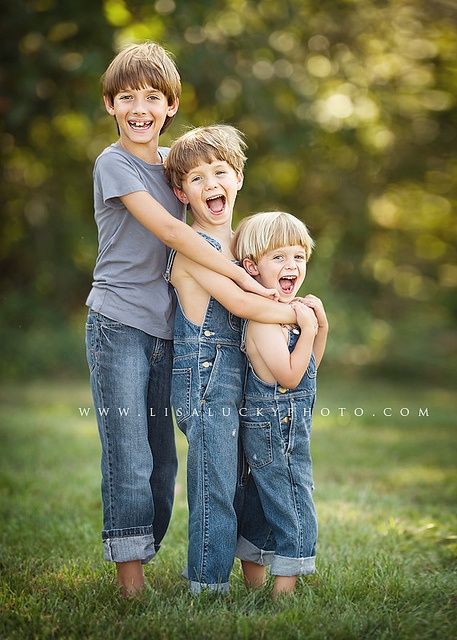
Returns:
point(115, 176)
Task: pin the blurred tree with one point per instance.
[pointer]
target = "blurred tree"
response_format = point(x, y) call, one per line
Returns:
point(349, 112)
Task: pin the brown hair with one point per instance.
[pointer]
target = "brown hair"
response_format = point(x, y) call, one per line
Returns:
point(139, 66)
point(204, 144)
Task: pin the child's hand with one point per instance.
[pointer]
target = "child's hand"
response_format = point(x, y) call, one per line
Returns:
point(247, 282)
point(306, 318)
point(316, 305)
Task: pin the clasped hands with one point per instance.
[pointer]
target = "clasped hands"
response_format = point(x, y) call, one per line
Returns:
point(310, 313)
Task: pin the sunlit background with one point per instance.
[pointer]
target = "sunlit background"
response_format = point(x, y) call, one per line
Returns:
point(349, 112)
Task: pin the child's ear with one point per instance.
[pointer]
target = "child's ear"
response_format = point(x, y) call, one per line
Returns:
point(240, 178)
point(108, 105)
point(179, 193)
point(173, 108)
point(250, 267)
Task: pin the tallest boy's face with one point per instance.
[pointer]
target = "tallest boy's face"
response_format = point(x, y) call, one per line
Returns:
point(140, 115)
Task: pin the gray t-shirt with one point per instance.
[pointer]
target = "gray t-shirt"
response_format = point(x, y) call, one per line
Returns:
point(128, 283)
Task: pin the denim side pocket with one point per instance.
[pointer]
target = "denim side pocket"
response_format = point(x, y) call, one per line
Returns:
point(181, 389)
point(207, 379)
point(91, 355)
point(256, 439)
point(234, 322)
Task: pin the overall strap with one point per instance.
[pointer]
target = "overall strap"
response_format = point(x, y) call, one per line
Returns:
point(212, 241)
point(293, 333)
point(171, 259)
point(244, 328)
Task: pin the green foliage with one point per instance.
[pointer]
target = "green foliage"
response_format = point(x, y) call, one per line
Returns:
point(385, 495)
point(349, 113)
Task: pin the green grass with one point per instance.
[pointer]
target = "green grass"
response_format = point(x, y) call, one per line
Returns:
point(385, 494)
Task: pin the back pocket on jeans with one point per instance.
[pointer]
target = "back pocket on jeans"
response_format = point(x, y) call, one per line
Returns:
point(256, 439)
point(181, 388)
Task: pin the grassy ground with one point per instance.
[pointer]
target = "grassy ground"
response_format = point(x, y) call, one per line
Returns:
point(385, 494)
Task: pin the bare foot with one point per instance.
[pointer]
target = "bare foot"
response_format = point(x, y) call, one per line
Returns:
point(284, 585)
point(130, 578)
point(254, 574)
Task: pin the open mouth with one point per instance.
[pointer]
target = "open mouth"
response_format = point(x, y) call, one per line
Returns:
point(216, 204)
point(287, 284)
point(140, 125)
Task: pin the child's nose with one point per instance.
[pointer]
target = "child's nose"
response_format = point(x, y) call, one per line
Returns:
point(211, 182)
point(139, 106)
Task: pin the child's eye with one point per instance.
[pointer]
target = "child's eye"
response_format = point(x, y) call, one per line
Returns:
point(299, 257)
point(124, 97)
point(221, 172)
point(195, 179)
point(153, 97)
point(278, 257)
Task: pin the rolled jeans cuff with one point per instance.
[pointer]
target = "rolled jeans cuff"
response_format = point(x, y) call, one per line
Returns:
point(119, 547)
point(197, 587)
point(282, 566)
point(246, 550)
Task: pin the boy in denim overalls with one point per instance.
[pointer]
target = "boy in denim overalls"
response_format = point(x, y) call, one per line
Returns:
point(205, 168)
point(279, 396)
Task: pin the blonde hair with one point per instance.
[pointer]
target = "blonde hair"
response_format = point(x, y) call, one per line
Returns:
point(204, 144)
point(260, 233)
point(139, 66)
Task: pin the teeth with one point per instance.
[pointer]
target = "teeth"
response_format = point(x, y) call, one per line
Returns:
point(140, 124)
point(213, 198)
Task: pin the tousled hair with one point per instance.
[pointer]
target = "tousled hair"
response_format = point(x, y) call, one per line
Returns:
point(204, 144)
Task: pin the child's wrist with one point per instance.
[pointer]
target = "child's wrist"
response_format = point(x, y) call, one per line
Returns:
point(292, 316)
point(240, 276)
point(307, 328)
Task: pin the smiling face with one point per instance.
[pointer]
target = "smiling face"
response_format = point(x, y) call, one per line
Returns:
point(210, 189)
point(140, 115)
point(283, 269)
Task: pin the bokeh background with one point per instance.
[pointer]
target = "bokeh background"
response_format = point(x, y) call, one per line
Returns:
point(349, 112)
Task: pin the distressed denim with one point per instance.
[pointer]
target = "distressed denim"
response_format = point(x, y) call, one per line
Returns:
point(130, 373)
point(275, 432)
point(206, 395)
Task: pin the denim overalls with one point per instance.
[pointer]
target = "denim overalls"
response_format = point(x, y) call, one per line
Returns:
point(206, 395)
point(275, 432)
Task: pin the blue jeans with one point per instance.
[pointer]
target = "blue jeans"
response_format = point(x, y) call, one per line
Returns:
point(130, 373)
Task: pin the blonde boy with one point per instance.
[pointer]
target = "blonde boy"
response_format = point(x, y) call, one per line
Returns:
point(279, 394)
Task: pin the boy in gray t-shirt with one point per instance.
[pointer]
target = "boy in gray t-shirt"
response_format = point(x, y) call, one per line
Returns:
point(129, 322)
point(128, 282)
